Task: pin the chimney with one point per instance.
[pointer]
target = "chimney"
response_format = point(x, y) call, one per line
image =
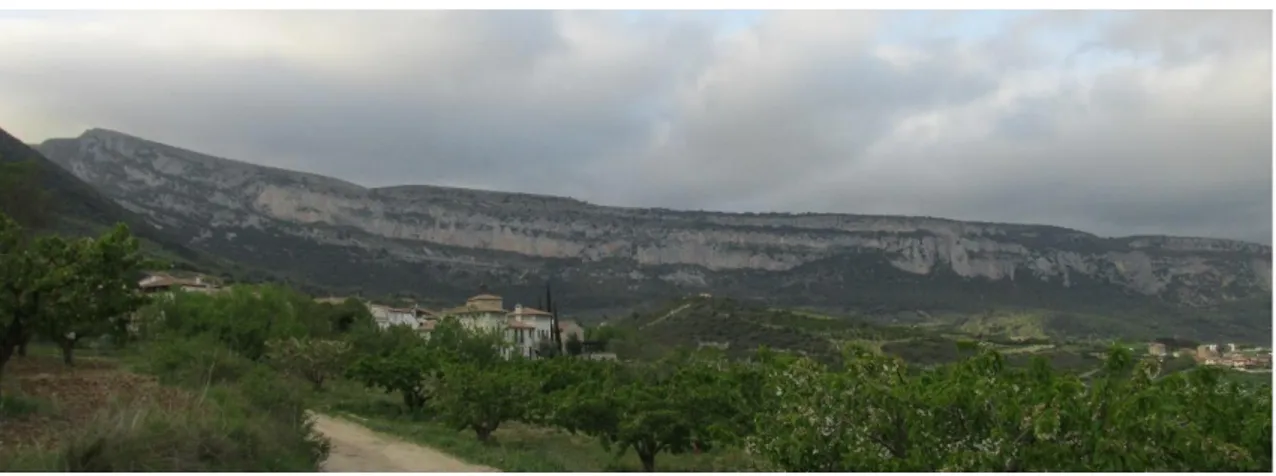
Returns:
point(483, 288)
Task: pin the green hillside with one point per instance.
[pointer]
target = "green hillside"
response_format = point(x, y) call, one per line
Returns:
point(738, 328)
point(44, 197)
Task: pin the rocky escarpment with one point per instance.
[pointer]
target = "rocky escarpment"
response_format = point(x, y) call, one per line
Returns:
point(237, 209)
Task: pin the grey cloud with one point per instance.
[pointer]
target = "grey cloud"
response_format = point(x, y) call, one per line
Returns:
point(1157, 122)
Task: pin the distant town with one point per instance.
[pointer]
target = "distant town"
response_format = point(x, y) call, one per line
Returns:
point(530, 329)
point(1250, 359)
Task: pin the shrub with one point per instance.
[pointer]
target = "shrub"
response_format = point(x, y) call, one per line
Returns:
point(311, 359)
point(220, 434)
point(199, 361)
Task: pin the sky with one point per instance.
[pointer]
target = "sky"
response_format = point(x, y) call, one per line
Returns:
point(1115, 123)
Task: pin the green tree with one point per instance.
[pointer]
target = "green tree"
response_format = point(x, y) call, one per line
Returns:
point(314, 360)
point(546, 349)
point(453, 342)
point(574, 346)
point(404, 365)
point(18, 275)
point(673, 406)
point(241, 317)
point(978, 414)
point(482, 397)
point(349, 316)
point(100, 292)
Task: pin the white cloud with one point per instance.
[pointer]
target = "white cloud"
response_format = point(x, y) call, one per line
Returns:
point(1130, 122)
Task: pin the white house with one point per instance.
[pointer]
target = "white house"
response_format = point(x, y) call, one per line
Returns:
point(386, 316)
point(528, 328)
point(524, 327)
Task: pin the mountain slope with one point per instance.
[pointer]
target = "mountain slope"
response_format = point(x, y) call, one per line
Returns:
point(80, 209)
point(441, 241)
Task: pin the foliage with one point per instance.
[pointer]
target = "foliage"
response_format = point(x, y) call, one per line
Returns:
point(197, 361)
point(243, 318)
point(980, 415)
point(482, 397)
point(407, 368)
point(402, 361)
point(453, 342)
point(65, 290)
point(675, 407)
point(348, 317)
point(574, 346)
point(311, 359)
point(97, 292)
point(21, 196)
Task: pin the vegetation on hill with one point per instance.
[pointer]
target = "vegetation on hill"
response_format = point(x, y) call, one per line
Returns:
point(235, 414)
point(738, 328)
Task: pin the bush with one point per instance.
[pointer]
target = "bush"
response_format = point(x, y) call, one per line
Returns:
point(18, 406)
point(197, 361)
point(220, 434)
point(312, 359)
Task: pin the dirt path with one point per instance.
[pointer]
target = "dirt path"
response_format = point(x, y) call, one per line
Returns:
point(667, 315)
point(356, 448)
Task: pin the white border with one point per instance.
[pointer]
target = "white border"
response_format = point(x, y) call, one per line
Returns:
point(618, 5)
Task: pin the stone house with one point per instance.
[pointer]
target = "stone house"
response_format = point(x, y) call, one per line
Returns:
point(525, 328)
point(386, 316)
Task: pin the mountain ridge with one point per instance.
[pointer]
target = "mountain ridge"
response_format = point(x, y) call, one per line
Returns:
point(446, 240)
point(544, 196)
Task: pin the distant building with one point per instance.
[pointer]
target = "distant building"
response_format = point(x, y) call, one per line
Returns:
point(1157, 349)
point(1206, 352)
point(524, 327)
point(386, 316)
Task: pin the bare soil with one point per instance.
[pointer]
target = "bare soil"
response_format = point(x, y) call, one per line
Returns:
point(356, 448)
point(72, 395)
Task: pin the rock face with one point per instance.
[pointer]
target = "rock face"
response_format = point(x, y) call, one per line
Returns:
point(433, 239)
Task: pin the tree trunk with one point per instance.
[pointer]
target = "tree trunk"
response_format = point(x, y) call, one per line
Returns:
point(6, 352)
point(484, 433)
point(415, 400)
point(648, 461)
point(68, 348)
point(10, 338)
point(22, 345)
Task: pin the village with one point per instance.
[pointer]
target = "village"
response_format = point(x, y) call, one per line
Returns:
point(529, 331)
point(1246, 359)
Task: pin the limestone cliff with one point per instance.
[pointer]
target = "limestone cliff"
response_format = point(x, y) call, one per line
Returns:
point(449, 235)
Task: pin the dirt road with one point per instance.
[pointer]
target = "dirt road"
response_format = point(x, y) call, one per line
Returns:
point(355, 448)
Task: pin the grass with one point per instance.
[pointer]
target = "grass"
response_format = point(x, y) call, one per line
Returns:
point(206, 419)
point(16, 406)
point(1010, 324)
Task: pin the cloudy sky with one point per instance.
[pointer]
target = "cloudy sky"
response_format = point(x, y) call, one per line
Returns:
point(1113, 123)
